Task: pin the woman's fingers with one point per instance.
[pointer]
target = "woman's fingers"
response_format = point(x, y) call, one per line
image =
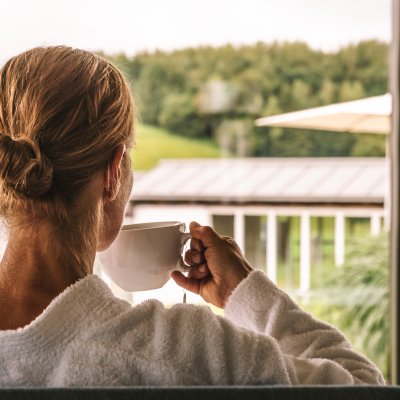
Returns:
point(194, 257)
point(204, 234)
point(191, 284)
point(216, 265)
point(199, 272)
point(196, 244)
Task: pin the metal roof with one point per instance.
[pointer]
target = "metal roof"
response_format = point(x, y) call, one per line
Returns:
point(265, 180)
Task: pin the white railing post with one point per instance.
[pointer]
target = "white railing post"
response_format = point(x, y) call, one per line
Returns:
point(305, 252)
point(239, 229)
point(339, 239)
point(375, 224)
point(272, 250)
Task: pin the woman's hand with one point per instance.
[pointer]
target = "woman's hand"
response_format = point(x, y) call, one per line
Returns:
point(217, 265)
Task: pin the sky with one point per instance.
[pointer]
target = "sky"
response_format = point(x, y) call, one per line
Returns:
point(130, 26)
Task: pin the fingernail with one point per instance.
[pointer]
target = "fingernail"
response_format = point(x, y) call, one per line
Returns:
point(202, 268)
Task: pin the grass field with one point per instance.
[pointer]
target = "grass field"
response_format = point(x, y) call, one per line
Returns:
point(153, 144)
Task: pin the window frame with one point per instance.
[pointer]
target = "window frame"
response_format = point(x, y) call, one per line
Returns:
point(394, 83)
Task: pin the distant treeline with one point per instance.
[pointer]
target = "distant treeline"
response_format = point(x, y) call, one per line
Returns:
point(217, 93)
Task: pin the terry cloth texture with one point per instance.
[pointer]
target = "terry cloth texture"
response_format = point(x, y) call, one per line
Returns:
point(88, 337)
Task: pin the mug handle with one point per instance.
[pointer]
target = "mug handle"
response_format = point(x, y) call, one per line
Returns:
point(184, 237)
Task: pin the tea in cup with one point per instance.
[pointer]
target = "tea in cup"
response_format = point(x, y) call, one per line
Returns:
point(143, 256)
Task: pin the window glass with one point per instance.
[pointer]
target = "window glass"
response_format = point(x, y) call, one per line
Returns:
point(255, 241)
point(357, 228)
point(224, 224)
point(288, 247)
point(322, 247)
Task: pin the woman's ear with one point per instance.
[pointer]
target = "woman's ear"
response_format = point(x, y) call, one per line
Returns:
point(112, 175)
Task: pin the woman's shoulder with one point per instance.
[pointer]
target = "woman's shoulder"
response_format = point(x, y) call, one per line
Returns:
point(91, 302)
point(150, 327)
point(151, 315)
point(148, 342)
point(190, 320)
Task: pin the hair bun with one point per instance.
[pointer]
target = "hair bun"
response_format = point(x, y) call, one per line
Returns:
point(23, 166)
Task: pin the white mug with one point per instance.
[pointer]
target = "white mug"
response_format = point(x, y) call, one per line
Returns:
point(143, 256)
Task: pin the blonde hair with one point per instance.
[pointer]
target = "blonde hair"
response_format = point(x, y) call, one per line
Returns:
point(63, 112)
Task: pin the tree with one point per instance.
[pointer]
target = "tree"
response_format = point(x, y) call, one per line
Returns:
point(300, 94)
point(234, 137)
point(327, 93)
point(150, 91)
point(351, 91)
point(368, 144)
point(178, 114)
point(217, 96)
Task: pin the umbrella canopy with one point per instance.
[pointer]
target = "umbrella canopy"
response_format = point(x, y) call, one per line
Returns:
point(369, 115)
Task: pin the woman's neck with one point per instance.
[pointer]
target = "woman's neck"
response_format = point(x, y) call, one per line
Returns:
point(36, 267)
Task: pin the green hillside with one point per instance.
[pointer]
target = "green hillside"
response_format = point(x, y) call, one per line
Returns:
point(153, 144)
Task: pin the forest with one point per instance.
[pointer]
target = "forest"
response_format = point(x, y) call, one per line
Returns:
point(217, 93)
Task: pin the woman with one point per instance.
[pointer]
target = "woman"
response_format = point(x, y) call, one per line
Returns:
point(66, 125)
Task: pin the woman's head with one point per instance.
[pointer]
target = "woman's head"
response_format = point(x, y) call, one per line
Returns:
point(63, 114)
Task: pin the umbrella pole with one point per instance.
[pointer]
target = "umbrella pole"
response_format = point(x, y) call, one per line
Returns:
point(394, 171)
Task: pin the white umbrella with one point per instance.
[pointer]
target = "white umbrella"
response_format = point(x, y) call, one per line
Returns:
point(369, 115)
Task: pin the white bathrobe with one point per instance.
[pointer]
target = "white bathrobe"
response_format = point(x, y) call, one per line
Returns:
point(87, 337)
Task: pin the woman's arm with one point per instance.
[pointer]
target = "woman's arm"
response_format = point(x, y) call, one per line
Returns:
point(318, 352)
point(312, 352)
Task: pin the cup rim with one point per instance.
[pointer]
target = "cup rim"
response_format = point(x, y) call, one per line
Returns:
point(150, 225)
